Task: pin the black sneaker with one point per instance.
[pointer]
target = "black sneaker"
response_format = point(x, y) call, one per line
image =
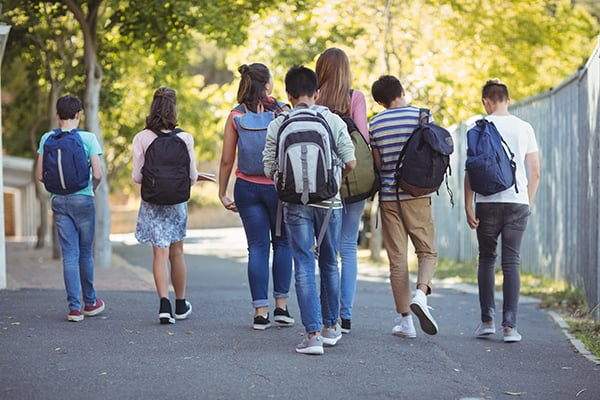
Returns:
point(282, 317)
point(346, 325)
point(165, 314)
point(261, 323)
point(183, 308)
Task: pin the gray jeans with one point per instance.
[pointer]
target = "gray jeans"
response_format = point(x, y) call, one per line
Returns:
point(507, 221)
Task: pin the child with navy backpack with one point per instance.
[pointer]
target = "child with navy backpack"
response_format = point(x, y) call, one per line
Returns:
point(254, 193)
point(69, 166)
point(503, 214)
point(403, 216)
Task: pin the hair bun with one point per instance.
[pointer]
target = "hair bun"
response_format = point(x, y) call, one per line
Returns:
point(243, 69)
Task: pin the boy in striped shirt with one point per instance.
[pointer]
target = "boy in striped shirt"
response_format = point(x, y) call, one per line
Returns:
point(404, 217)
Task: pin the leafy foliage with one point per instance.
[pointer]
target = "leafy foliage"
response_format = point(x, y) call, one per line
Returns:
point(442, 50)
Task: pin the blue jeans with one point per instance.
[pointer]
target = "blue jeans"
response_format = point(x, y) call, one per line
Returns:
point(303, 224)
point(257, 205)
point(508, 221)
point(351, 216)
point(75, 219)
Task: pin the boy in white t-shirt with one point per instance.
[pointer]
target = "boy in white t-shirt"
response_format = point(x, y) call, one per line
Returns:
point(503, 214)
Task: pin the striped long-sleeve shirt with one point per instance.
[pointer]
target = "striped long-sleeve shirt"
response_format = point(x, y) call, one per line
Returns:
point(389, 130)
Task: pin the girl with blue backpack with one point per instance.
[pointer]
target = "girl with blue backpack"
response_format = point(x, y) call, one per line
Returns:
point(255, 195)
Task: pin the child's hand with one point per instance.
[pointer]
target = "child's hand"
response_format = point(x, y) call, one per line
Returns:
point(228, 204)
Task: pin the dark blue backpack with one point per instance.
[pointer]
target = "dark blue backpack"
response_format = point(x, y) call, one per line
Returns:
point(490, 162)
point(166, 170)
point(65, 165)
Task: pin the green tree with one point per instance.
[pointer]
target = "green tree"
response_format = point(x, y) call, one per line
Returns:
point(162, 29)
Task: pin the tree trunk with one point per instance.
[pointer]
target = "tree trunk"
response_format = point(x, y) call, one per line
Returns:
point(91, 103)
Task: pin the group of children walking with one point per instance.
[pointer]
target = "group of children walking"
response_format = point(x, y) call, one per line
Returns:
point(303, 234)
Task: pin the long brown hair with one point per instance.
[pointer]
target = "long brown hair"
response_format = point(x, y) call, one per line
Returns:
point(333, 71)
point(163, 111)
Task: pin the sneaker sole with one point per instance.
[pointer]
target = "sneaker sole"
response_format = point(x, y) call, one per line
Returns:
point(404, 335)
point(166, 318)
point(284, 321)
point(261, 327)
point(425, 320)
point(185, 314)
point(313, 350)
point(345, 330)
point(331, 341)
point(512, 339)
point(74, 318)
point(485, 333)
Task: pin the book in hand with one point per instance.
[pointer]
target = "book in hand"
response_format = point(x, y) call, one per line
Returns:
point(206, 176)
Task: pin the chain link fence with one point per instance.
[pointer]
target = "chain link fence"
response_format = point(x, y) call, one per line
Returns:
point(562, 238)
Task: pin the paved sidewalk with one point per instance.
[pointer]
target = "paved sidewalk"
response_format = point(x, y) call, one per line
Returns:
point(30, 268)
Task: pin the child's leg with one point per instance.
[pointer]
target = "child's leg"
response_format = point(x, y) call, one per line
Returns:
point(178, 270)
point(160, 271)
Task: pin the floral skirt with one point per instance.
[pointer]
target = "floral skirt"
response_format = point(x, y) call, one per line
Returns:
point(161, 225)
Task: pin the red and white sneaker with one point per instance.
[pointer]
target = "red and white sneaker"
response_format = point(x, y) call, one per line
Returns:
point(97, 308)
point(75, 316)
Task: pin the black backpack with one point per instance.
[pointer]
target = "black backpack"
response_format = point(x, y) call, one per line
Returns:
point(166, 170)
point(425, 159)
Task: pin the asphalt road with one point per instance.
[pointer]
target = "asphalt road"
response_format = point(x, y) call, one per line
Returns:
point(215, 354)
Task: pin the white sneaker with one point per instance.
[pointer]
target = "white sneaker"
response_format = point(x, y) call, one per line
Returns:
point(405, 327)
point(418, 305)
point(511, 335)
point(485, 329)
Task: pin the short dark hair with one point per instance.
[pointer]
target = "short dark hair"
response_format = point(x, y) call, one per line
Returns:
point(67, 107)
point(301, 81)
point(495, 90)
point(385, 89)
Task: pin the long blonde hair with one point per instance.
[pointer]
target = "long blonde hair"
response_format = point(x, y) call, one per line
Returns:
point(335, 79)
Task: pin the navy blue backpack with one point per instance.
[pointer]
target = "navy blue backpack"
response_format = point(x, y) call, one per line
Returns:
point(65, 165)
point(490, 163)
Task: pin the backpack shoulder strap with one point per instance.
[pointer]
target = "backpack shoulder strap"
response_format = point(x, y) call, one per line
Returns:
point(241, 108)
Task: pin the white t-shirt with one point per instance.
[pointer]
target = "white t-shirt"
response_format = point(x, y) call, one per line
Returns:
point(520, 137)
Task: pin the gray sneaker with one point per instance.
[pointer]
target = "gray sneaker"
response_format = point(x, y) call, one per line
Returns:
point(331, 335)
point(511, 335)
point(313, 345)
